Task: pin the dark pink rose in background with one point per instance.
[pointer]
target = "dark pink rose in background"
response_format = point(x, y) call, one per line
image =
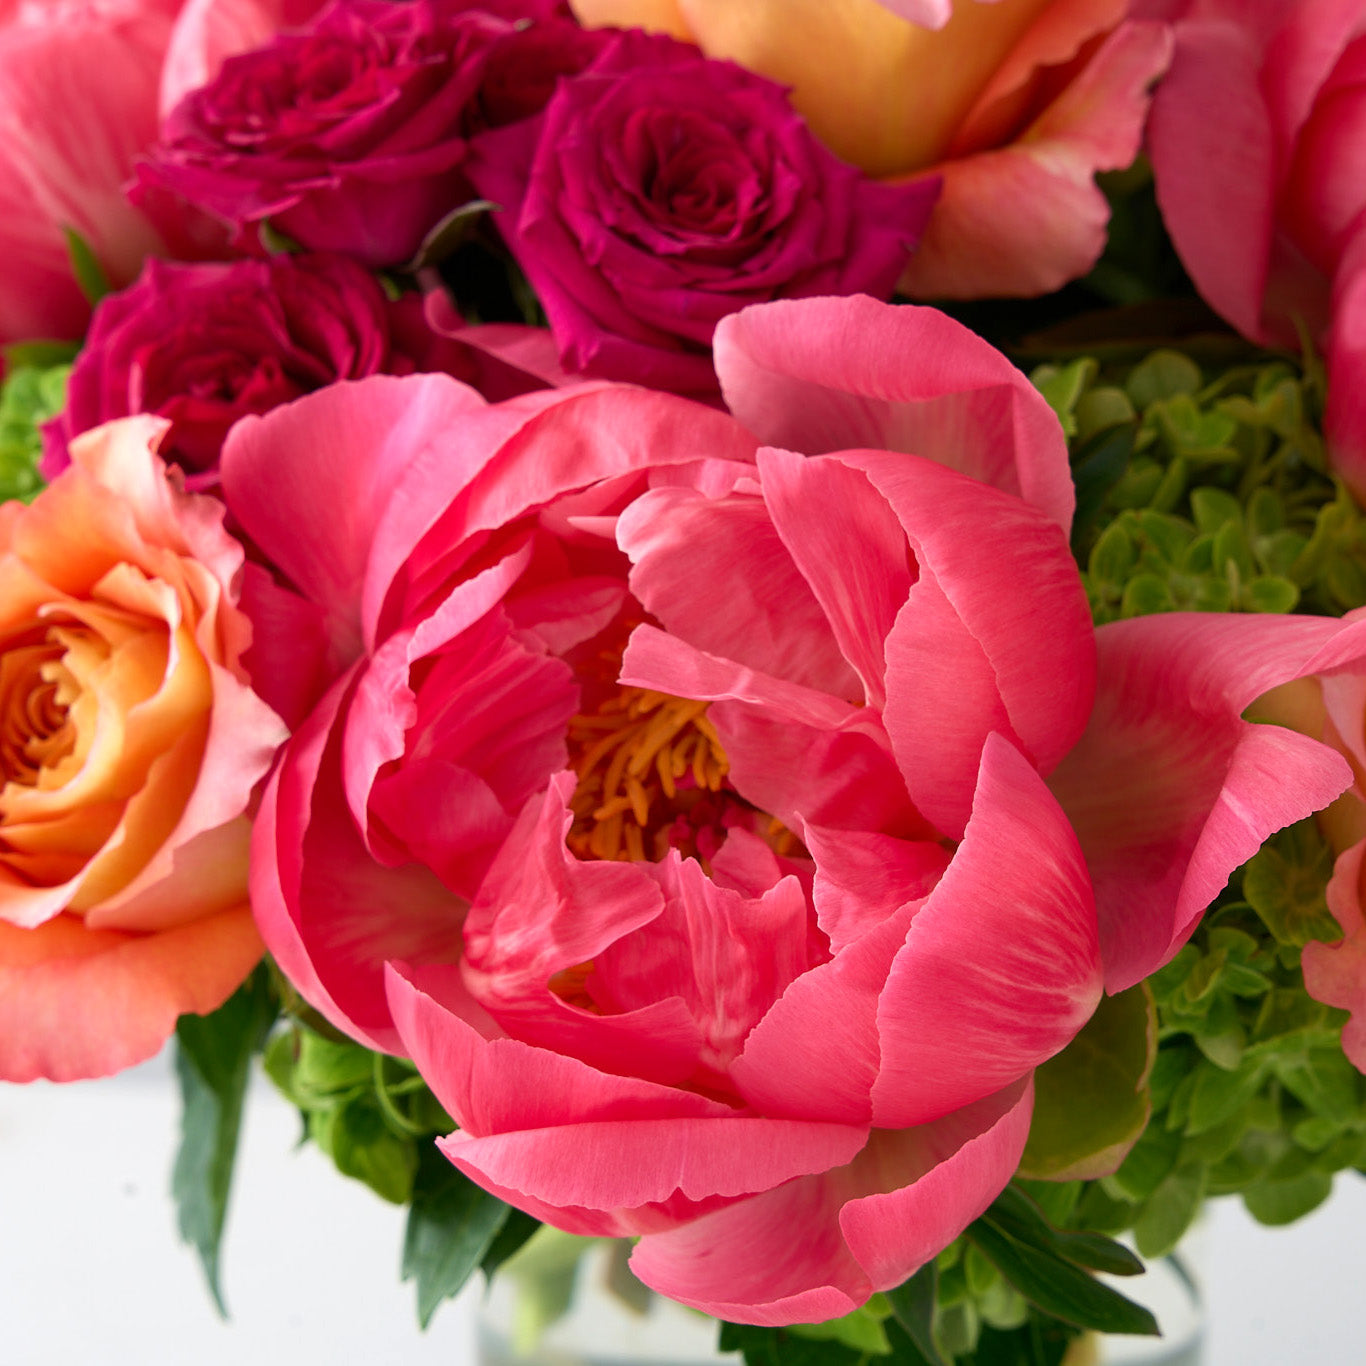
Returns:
point(347, 134)
point(661, 191)
point(1258, 143)
point(203, 345)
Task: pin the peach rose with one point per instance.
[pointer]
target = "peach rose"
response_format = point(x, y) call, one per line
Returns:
point(130, 742)
point(1016, 103)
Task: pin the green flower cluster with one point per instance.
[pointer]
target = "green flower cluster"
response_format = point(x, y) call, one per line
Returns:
point(34, 390)
point(1205, 493)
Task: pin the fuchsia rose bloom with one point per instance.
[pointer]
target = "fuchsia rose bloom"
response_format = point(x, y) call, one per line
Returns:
point(202, 345)
point(1014, 106)
point(673, 786)
point(661, 191)
point(132, 742)
point(1261, 122)
point(347, 134)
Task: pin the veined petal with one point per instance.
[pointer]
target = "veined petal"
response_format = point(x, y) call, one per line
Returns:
point(819, 375)
point(1001, 966)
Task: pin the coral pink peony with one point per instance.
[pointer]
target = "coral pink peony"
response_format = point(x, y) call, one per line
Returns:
point(1016, 104)
point(132, 742)
point(680, 802)
point(1262, 122)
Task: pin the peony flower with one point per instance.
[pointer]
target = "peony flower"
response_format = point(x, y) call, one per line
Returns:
point(202, 345)
point(131, 745)
point(1259, 122)
point(681, 804)
point(1015, 105)
point(662, 191)
point(347, 133)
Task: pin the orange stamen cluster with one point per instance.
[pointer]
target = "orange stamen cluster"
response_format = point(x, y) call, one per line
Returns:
point(644, 760)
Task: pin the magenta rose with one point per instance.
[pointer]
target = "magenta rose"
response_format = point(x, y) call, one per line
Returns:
point(661, 191)
point(203, 345)
point(348, 133)
point(681, 804)
point(1261, 123)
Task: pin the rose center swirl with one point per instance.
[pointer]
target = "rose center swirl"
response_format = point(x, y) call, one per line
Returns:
point(34, 731)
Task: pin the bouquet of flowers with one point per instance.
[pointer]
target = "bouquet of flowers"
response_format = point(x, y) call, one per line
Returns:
point(731, 627)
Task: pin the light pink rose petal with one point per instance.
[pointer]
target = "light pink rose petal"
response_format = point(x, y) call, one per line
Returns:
point(677, 538)
point(1336, 973)
point(77, 104)
point(1213, 153)
point(819, 375)
point(850, 548)
point(1001, 967)
point(1024, 219)
point(80, 1003)
point(1169, 790)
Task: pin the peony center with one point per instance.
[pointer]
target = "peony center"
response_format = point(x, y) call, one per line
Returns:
point(651, 773)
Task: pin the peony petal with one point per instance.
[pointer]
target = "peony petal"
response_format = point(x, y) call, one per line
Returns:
point(1002, 964)
point(678, 538)
point(1169, 790)
point(1344, 423)
point(818, 375)
point(80, 1003)
point(1036, 665)
point(1336, 973)
point(1211, 144)
point(309, 481)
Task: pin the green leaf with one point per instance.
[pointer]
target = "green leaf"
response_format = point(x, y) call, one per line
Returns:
point(361, 1143)
point(1059, 1288)
point(1283, 1202)
point(1108, 1064)
point(1169, 1211)
point(784, 1347)
point(913, 1305)
point(213, 1063)
point(516, 1230)
point(861, 1331)
point(452, 1225)
point(1016, 1214)
point(1163, 375)
point(85, 266)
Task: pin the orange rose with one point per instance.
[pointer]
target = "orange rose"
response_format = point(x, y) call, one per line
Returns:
point(1015, 103)
point(130, 742)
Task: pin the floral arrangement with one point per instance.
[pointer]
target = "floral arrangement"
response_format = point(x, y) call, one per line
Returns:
point(737, 627)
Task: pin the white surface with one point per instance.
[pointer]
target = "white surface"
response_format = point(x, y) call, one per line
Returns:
point(92, 1272)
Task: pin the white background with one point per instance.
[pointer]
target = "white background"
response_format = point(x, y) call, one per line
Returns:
point(92, 1272)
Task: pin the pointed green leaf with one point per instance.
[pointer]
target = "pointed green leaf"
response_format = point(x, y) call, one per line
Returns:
point(85, 266)
point(213, 1063)
point(1059, 1288)
point(1015, 1214)
point(913, 1306)
point(451, 1226)
point(517, 1229)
